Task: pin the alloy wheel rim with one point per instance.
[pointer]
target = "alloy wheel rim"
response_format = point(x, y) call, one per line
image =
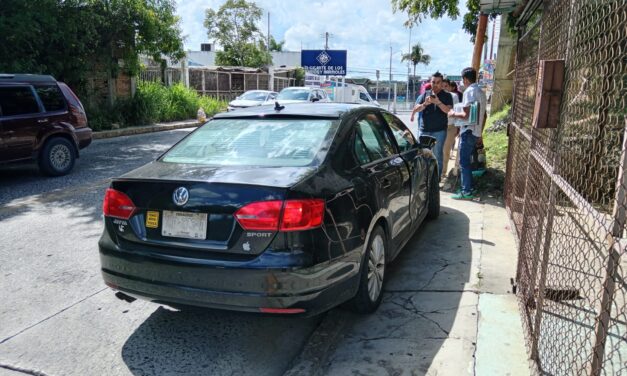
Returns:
point(376, 267)
point(60, 157)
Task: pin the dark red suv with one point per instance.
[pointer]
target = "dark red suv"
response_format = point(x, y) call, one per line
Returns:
point(41, 119)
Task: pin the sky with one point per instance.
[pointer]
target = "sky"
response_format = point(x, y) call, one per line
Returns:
point(365, 28)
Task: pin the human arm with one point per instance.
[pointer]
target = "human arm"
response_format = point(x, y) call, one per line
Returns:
point(420, 106)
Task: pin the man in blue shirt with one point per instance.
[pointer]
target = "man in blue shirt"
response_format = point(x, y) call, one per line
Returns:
point(434, 106)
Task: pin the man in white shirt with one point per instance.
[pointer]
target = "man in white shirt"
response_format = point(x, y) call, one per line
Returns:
point(470, 131)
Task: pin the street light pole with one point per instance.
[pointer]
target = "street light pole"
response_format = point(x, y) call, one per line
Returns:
point(390, 81)
point(408, 69)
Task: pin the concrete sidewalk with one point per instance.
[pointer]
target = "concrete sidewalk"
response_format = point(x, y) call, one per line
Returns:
point(157, 127)
point(447, 309)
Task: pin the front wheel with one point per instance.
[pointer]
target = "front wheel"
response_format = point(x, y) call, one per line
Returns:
point(372, 274)
point(57, 157)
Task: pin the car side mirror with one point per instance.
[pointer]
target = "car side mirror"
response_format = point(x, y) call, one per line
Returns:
point(314, 99)
point(426, 142)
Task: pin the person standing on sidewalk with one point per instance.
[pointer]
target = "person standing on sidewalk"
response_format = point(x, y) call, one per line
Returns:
point(471, 126)
point(434, 105)
point(451, 131)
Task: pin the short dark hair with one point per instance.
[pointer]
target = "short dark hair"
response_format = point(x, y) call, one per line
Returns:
point(470, 74)
point(453, 85)
point(437, 74)
point(446, 81)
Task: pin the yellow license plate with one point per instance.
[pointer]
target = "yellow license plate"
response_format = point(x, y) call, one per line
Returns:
point(152, 219)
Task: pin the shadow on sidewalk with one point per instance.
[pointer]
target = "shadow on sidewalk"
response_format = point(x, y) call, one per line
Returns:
point(427, 320)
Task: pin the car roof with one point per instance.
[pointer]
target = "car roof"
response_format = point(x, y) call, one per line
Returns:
point(25, 78)
point(295, 110)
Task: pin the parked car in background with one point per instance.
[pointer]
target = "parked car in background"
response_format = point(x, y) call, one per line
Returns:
point(286, 210)
point(350, 93)
point(41, 119)
point(300, 95)
point(251, 98)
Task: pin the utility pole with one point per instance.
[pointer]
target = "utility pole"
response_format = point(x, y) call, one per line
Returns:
point(268, 44)
point(390, 82)
point(326, 43)
point(479, 39)
point(408, 68)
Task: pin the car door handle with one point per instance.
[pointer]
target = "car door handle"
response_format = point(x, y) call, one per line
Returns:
point(42, 121)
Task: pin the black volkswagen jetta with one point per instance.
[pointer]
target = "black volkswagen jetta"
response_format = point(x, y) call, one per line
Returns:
point(288, 210)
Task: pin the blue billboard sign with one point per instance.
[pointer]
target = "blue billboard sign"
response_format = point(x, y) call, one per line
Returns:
point(324, 62)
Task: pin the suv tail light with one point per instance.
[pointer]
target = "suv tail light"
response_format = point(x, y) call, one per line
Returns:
point(79, 115)
point(117, 205)
point(289, 215)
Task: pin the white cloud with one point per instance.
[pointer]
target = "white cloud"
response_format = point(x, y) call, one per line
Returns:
point(365, 28)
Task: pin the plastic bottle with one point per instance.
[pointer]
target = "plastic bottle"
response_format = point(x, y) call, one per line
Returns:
point(201, 116)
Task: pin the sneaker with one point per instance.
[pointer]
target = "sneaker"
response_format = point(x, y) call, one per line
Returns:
point(462, 196)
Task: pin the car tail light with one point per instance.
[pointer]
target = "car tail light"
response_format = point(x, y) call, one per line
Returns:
point(261, 216)
point(289, 215)
point(117, 205)
point(79, 115)
point(302, 214)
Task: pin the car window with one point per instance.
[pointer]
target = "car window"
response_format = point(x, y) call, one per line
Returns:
point(253, 96)
point(364, 97)
point(51, 97)
point(371, 132)
point(404, 139)
point(254, 142)
point(323, 94)
point(294, 94)
point(17, 100)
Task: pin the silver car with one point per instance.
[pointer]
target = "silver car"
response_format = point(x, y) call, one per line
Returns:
point(252, 98)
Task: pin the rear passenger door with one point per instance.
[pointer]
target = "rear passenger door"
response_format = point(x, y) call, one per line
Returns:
point(21, 116)
point(387, 175)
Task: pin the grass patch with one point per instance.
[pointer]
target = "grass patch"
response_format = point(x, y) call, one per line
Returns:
point(153, 102)
point(495, 143)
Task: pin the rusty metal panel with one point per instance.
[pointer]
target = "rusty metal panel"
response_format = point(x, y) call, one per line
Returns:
point(546, 112)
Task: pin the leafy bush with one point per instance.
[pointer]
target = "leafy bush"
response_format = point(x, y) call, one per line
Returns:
point(153, 102)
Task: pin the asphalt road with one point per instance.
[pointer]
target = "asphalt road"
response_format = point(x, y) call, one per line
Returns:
point(58, 318)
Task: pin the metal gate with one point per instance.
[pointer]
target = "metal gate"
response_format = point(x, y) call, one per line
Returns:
point(566, 188)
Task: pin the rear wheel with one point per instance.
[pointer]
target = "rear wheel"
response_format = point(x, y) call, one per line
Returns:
point(433, 208)
point(57, 157)
point(372, 274)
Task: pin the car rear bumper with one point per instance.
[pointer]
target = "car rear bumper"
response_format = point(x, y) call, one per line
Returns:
point(83, 136)
point(177, 281)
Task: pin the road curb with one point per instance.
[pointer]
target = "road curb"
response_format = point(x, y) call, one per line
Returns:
point(158, 127)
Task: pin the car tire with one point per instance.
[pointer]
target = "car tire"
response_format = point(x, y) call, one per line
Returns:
point(433, 208)
point(57, 157)
point(372, 274)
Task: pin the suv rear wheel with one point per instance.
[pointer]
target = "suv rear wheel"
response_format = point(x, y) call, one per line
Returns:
point(57, 157)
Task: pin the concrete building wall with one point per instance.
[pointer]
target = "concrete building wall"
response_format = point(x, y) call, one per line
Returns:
point(505, 63)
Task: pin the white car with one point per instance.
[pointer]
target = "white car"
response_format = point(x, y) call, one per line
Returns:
point(252, 98)
point(300, 95)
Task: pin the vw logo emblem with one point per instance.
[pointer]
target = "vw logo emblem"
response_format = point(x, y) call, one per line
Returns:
point(180, 196)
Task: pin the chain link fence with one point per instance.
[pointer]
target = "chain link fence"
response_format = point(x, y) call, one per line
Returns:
point(219, 84)
point(566, 188)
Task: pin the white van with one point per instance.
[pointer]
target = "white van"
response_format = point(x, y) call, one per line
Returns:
point(353, 94)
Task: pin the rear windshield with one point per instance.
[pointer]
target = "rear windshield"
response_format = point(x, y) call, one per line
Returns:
point(254, 96)
point(255, 142)
point(294, 94)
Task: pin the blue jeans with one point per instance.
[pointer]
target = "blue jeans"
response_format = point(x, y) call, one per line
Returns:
point(467, 144)
point(438, 150)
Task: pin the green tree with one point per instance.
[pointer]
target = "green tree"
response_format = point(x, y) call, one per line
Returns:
point(73, 38)
point(416, 56)
point(235, 28)
point(419, 9)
